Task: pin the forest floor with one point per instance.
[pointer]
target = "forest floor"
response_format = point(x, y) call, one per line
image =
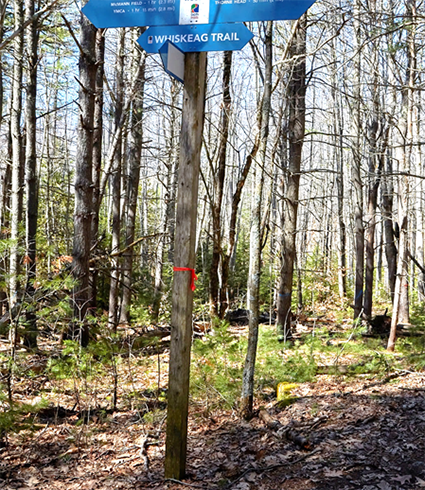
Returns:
point(336, 432)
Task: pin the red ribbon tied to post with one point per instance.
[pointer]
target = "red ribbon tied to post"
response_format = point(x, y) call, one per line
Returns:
point(194, 276)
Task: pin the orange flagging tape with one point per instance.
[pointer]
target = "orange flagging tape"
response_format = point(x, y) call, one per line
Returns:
point(194, 276)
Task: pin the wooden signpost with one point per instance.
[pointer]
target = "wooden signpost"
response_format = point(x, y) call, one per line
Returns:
point(184, 261)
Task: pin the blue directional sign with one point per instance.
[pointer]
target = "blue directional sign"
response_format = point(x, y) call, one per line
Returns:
point(205, 37)
point(132, 13)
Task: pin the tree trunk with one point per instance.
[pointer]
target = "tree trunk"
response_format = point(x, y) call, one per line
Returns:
point(83, 211)
point(5, 184)
point(17, 158)
point(219, 173)
point(97, 154)
point(229, 253)
point(31, 175)
point(247, 396)
point(339, 155)
point(376, 150)
point(387, 213)
point(356, 170)
point(116, 187)
point(404, 151)
point(135, 151)
point(296, 129)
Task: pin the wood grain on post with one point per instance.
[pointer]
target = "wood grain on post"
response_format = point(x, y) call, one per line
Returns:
point(184, 256)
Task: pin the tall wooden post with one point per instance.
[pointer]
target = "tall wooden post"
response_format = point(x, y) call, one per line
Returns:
point(184, 258)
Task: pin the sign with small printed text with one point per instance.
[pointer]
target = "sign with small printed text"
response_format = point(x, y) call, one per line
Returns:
point(133, 13)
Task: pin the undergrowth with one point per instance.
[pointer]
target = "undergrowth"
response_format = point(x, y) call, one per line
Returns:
point(218, 360)
point(109, 375)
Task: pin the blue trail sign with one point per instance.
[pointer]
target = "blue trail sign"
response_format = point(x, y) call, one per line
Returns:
point(205, 37)
point(132, 13)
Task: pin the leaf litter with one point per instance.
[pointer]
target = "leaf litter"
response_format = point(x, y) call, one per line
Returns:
point(364, 433)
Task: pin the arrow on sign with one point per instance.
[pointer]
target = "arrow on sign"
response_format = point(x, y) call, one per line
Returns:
point(208, 37)
point(132, 13)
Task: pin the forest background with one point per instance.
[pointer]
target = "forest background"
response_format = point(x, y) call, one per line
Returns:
point(311, 193)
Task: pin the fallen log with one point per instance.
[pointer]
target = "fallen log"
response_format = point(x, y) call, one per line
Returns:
point(152, 337)
point(284, 431)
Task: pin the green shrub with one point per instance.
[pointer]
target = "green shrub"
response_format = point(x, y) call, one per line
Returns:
point(217, 368)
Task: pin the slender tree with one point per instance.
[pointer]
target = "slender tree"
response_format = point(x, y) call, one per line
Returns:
point(338, 125)
point(218, 169)
point(356, 166)
point(17, 157)
point(374, 135)
point(404, 151)
point(134, 156)
point(97, 154)
point(247, 397)
point(116, 185)
point(83, 182)
point(31, 170)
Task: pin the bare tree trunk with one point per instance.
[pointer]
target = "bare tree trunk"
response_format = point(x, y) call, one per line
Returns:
point(166, 228)
point(4, 171)
point(5, 183)
point(83, 183)
point(247, 396)
point(411, 76)
point(356, 170)
point(97, 154)
point(296, 129)
point(401, 297)
point(219, 173)
point(17, 157)
point(135, 151)
point(116, 187)
point(3, 6)
point(31, 174)
point(339, 153)
point(376, 149)
point(387, 212)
